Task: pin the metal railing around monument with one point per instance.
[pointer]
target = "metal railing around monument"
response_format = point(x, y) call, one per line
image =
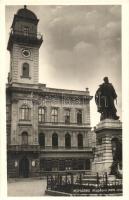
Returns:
point(68, 182)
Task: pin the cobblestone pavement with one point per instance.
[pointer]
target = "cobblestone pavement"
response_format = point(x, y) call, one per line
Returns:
point(26, 187)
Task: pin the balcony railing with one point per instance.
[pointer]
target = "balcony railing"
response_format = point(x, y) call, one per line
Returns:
point(37, 36)
point(46, 148)
point(23, 148)
point(60, 148)
point(64, 124)
point(20, 36)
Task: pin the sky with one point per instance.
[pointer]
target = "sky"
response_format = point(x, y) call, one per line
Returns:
point(82, 45)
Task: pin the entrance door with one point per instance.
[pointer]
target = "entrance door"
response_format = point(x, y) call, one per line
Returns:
point(24, 168)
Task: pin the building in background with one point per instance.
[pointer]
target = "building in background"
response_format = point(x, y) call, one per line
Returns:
point(48, 129)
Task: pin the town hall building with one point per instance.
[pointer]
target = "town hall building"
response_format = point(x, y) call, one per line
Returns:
point(48, 129)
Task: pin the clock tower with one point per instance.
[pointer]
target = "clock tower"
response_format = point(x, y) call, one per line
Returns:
point(24, 43)
point(42, 122)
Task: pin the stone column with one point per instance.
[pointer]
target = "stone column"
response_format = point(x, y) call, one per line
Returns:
point(34, 117)
point(73, 115)
point(48, 114)
point(85, 139)
point(87, 113)
point(62, 139)
point(61, 115)
point(48, 141)
point(74, 139)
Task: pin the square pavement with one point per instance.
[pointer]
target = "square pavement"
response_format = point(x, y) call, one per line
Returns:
point(26, 187)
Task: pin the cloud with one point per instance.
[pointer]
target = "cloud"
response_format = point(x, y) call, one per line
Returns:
point(115, 12)
point(111, 30)
point(85, 33)
point(85, 51)
point(82, 44)
point(55, 22)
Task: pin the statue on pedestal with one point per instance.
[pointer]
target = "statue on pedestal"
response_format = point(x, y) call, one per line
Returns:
point(104, 98)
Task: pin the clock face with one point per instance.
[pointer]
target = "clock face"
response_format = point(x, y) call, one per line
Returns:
point(26, 52)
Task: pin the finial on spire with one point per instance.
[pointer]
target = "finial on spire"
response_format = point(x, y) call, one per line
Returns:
point(25, 6)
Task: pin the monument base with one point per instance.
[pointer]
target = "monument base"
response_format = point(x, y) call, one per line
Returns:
point(107, 130)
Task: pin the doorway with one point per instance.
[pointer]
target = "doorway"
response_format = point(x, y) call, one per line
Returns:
point(24, 168)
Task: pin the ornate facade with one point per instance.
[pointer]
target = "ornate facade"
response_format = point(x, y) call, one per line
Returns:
point(48, 129)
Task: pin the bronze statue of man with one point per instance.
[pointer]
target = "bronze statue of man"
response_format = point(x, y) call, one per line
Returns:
point(104, 98)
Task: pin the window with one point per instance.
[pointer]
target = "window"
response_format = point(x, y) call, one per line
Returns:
point(26, 30)
point(81, 164)
point(80, 140)
point(67, 116)
point(54, 140)
point(24, 138)
point(41, 114)
point(67, 141)
point(79, 117)
point(48, 165)
point(75, 164)
point(61, 165)
point(25, 70)
point(68, 164)
point(54, 115)
point(25, 113)
point(42, 140)
point(55, 165)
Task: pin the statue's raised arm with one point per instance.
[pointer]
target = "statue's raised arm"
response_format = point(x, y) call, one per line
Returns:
point(104, 98)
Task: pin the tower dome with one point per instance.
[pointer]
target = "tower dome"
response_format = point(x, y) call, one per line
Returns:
point(26, 13)
point(24, 29)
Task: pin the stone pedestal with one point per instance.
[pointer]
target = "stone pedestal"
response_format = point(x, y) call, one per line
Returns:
point(106, 131)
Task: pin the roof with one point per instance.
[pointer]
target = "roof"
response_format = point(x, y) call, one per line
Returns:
point(26, 13)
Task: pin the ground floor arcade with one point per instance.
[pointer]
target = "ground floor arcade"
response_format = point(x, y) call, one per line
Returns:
point(33, 164)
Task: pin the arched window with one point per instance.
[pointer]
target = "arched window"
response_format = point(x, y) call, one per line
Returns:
point(67, 141)
point(80, 140)
point(24, 138)
point(25, 112)
point(67, 116)
point(55, 140)
point(79, 117)
point(41, 114)
point(42, 140)
point(25, 70)
point(54, 115)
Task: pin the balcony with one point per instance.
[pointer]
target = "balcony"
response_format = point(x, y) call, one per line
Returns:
point(37, 148)
point(63, 124)
point(21, 37)
point(62, 149)
point(19, 148)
